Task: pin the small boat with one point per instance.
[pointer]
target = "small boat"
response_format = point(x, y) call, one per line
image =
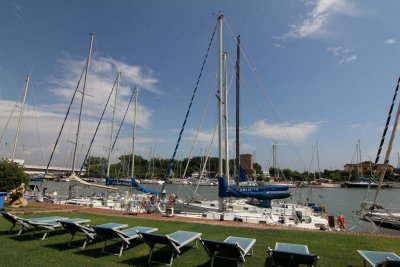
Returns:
point(364, 182)
point(320, 184)
point(151, 181)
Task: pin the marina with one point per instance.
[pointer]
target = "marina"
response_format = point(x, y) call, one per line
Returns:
point(149, 127)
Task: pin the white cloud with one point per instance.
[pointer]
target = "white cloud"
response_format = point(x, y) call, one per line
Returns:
point(348, 59)
point(18, 10)
point(346, 55)
point(101, 79)
point(283, 131)
point(361, 126)
point(47, 119)
point(316, 21)
point(390, 41)
point(336, 51)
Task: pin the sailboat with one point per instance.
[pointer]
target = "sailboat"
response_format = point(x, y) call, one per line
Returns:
point(373, 211)
point(228, 207)
point(362, 180)
point(75, 180)
point(132, 182)
point(319, 182)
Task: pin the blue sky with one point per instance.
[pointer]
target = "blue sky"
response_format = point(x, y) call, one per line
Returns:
point(312, 70)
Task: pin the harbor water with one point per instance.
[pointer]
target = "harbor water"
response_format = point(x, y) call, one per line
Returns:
point(345, 201)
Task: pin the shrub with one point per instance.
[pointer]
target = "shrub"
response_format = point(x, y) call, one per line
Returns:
point(11, 175)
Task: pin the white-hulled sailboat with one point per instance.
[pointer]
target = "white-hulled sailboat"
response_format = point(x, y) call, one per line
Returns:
point(239, 210)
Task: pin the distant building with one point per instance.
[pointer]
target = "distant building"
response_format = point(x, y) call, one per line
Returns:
point(266, 174)
point(365, 168)
point(246, 161)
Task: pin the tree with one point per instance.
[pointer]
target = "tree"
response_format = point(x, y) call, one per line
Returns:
point(257, 167)
point(11, 175)
point(95, 166)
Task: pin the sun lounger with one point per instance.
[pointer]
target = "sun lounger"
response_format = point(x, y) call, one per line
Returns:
point(46, 223)
point(174, 241)
point(76, 225)
point(233, 248)
point(286, 254)
point(113, 231)
point(14, 220)
point(380, 258)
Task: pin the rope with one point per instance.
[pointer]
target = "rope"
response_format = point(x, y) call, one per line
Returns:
point(387, 125)
point(98, 125)
point(172, 160)
point(37, 124)
point(198, 131)
point(65, 118)
point(298, 159)
point(8, 121)
point(123, 119)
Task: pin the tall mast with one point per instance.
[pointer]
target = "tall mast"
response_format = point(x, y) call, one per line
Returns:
point(319, 170)
point(134, 132)
point(28, 78)
point(221, 204)
point(112, 125)
point(226, 117)
point(361, 163)
point(83, 97)
point(238, 111)
point(389, 150)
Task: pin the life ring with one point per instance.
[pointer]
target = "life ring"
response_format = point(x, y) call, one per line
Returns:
point(342, 222)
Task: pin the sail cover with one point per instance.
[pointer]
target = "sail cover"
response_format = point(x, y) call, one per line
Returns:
point(252, 191)
point(75, 180)
point(143, 189)
point(242, 175)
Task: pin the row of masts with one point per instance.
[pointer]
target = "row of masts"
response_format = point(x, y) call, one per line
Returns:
point(223, 109)
point(113, 116)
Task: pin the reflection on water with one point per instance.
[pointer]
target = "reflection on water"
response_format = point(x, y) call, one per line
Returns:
point(337, 201)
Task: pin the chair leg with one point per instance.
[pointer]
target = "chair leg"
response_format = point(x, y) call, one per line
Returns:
point(72, 237)
point(151, 254)
point(212, 261)
point(121, 249)
point(172, 258)
point(45, 235)
point(251, 253)
point(84, 244)
point(104, 247)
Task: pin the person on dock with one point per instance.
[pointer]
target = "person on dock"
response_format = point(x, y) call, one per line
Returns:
point(341, 222)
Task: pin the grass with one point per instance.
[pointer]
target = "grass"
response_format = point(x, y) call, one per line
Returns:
point(333, 249)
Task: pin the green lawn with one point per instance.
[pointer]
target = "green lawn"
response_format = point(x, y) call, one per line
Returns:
point(333, 249)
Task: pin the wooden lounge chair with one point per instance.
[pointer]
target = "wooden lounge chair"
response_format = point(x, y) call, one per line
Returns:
point(76, 225)
point(46, 223)
point(112, 231)
point(174, 241)
point(289, 255)
point(232, 248)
